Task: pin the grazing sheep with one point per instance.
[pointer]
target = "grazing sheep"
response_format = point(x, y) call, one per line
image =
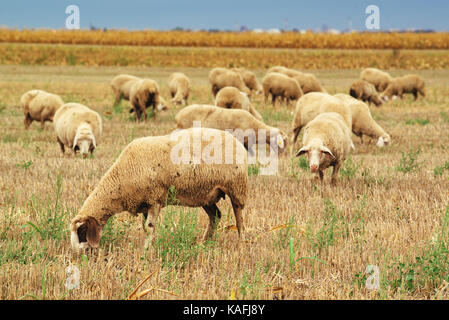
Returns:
point(309, 83)
point(250, 80)
point(366, 92)
point(407, 84)
point(150, 171)
point(362, 121)
point(40, 106)
point(280, 69)
point(144, 93)
point(282, 86)
point(232, 98)
point(78, 127)
point(380, 79)
point(179, 86)
point(230, 119)
point(121, 85)
point(221, 77)
point(327, 142)
point(312, 104)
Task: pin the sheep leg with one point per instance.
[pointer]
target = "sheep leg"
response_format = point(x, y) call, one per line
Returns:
point(149, 221)
point(27, 121)
point(335, 173)
point(415, 94)
point(214, 218)
point(61, 145)
point(238, 219)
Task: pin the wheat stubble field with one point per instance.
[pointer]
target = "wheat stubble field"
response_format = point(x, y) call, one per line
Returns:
point(390, 207)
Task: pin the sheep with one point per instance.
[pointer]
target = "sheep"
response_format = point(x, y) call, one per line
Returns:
point(280, 69)
point(380, 79)
point(327, 142)
point(221, 77)
point(280, 85)
point(250, 80)
point(143, 94)
point(307, 81)
point(121, 85)
point(407, 84)
point(39, 105)
point(179, 86)
point(362, 121)
point(78, 127)
point(150, 174)
point(231, 119)
point(232, 98)
point(366, 92)
point(312, 104)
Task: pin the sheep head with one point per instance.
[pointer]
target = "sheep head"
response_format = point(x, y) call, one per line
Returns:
point(383, 140)
point(317, 154)
point(84, 140)
point(280, 139)
point(85, 232)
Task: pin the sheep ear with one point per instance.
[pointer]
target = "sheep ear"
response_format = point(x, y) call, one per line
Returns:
point(280, 141)
point(75, 141)
point(326, 150)
point(93, 141)
point(380, 142)
point(302, 151)
point(93, 232)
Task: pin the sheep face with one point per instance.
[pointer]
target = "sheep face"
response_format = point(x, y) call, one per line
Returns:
point(318, 155)
point(84, 141)
point(85, 233)
point(383, 140)
point(280, 139)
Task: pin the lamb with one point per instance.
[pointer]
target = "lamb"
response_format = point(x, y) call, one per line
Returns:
point(221, 77)
point(282, 86)
point(327, 142)
point(78, 127)
point(313, 104)
point(366, 92)
point(179, 86)
point(231, 119)
point(407, 84)
point(362, 121)
point(232, 98)
point(144, 93)
point(380, 79)
point(150, 171)
point(250, 80)
point(39, 105)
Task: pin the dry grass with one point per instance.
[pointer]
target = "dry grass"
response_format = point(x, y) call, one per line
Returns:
point(376, 215)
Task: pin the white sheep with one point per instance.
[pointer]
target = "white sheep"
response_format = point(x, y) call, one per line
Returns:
point(179, 86)
point(144, 93)
point(78, 127)
point(150, 171)
point(233, 98)
point(327, 142)
point(380, 79)
point(231, 119)
point(121, 85)
point(39, 105)
point(221, 77)
point(362, 121)
point(250, 80)
point(312, 104)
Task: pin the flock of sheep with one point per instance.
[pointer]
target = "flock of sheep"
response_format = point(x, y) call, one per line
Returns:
point(141, 178)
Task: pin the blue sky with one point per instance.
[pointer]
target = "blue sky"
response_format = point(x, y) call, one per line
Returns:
point(226, 14)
